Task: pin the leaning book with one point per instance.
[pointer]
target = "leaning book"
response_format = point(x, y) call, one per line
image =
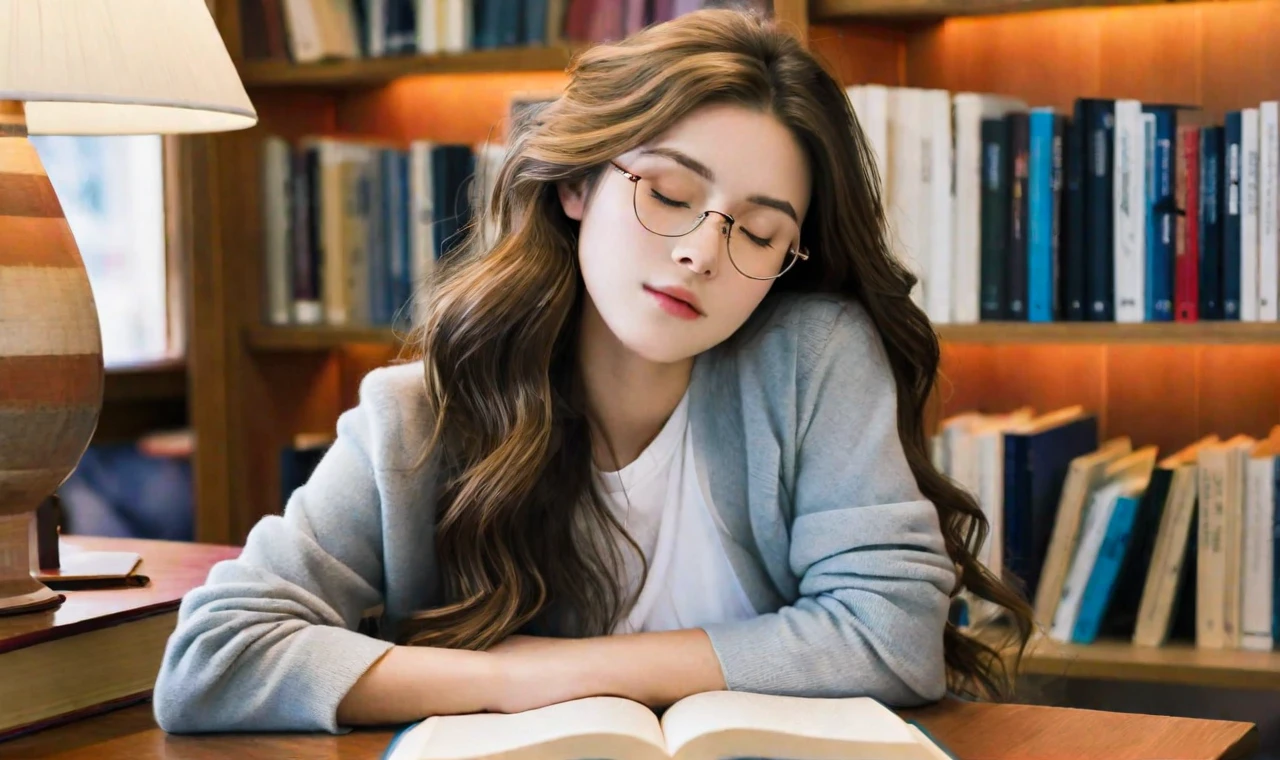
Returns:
point(718, 724)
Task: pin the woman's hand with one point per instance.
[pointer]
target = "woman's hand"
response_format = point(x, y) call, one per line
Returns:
point(533, 671)
point(655, 669)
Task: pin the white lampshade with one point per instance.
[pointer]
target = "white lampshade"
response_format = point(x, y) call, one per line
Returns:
point(104, 67)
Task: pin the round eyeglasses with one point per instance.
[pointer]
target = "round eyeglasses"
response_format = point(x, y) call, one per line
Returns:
point(762, 244)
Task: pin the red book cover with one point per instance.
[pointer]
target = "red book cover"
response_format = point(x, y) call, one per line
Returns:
point(1186, 285)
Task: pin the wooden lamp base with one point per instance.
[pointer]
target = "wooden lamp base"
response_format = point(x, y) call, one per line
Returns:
point(20, 592)
point(51, 369)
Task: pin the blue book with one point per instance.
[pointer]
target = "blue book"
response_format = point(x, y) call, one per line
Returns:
point(1211, 216)
point(1160, 215)
point(1106, 569)
point(1040, 181)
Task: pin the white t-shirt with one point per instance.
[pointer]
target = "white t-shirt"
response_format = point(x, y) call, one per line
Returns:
point(661, 504)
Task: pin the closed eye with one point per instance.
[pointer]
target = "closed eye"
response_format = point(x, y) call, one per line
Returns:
point(763, 243)
point(664, 200)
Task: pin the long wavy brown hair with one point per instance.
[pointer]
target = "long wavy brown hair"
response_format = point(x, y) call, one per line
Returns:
point(512, 440)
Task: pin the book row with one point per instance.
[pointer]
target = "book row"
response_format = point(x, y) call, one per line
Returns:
point(308, 31)
point(1111, 540)
point(1120, 211)
point(352, 227)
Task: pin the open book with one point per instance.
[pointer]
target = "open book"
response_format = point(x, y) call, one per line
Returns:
point(717, 724)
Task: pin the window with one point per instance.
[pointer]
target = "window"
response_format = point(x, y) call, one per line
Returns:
point(112, 193)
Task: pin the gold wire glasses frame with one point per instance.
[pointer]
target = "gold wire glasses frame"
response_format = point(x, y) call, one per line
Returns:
point(793, 253)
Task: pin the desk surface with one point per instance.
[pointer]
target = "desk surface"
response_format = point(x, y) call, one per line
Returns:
point(971, 731)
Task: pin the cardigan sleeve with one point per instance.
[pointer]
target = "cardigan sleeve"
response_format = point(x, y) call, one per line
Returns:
point(270, 641)
point(865, 544)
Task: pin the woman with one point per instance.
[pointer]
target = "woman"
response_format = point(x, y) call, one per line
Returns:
point(666, 436)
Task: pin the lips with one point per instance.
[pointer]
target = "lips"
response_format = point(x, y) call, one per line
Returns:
point(679, 294)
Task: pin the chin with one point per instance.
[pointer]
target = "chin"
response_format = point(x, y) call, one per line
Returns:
point(662, 344)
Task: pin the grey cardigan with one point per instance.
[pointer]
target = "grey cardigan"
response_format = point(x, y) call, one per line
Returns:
point(794, 421)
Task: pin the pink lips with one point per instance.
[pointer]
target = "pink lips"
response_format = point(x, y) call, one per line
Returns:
point(677, 302)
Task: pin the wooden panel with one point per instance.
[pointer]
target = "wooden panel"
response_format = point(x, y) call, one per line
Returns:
point(1152, 394)
point(1152, 53)
point(1156, 394)
point(1239, 392)
point(461, 108)
point(1192, 53)
point(1045, 58)
point(1239, 59)
point(861, 54)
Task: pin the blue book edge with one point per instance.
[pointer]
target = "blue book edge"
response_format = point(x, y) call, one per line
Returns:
point(395, 740)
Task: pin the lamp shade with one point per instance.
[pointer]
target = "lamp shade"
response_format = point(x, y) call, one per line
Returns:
point(111, 67)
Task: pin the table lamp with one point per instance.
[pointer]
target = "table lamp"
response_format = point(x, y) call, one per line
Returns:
point(76, 67)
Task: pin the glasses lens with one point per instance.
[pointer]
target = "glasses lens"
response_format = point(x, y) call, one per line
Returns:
point(762, 242)
point(669, 203)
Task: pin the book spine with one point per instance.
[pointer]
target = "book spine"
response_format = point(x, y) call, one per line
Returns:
point(1161, 218)
point(994, 227)
point(1210, 230)
point(1101, 214)
point(1187, 250)
point(1040, 223)
point(1019, 215)
point(1075, 296)
point(1230, 261)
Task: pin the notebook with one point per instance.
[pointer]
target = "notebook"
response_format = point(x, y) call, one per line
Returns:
point(704, 726)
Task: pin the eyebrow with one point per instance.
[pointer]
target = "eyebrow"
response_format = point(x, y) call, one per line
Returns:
point(704, 171)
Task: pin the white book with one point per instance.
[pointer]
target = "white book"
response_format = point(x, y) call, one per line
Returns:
point(1129, 201)
point(422, 256)
point(456, 23)
point(1259, 568)
point(376, 27)
point(871, 106)
point(1249, 215)
point(428, 26)
point(276, 170)
point(1269, 211)
point(969, 109)
point(936, 176)
point(904, 192)
point(703, 726)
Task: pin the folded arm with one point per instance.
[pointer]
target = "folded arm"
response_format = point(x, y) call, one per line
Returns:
point(874, 575)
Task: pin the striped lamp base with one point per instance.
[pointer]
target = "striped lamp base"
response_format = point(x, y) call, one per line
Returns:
point(50, 356)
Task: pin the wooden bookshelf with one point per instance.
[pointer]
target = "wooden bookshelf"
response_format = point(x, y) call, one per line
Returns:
point(273, 338)
point(369, 72)
point(1113, 333)
point(835, 11)
point(1175, 663)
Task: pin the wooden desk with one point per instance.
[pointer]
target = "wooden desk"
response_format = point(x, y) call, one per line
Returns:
point(971, 731)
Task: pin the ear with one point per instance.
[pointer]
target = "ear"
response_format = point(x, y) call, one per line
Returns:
point(573, 198)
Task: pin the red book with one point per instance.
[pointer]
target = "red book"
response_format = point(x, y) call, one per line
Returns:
point(1186, 282)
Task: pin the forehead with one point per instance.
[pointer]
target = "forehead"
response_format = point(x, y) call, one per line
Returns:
point(750, 152)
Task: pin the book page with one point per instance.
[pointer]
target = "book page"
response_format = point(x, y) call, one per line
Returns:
point(741, 724)
point(597, 726)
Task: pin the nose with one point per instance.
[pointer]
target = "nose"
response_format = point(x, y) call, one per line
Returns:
point(700, 250)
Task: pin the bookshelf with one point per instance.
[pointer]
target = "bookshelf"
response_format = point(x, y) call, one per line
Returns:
point(380, 71)
point(254, 386)
point(1174, 663)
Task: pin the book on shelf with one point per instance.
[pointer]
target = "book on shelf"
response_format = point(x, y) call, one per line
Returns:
point(1109, 541)
point(352, 227)
point(310, 31)
point(699, 727)
point(1117, 211)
